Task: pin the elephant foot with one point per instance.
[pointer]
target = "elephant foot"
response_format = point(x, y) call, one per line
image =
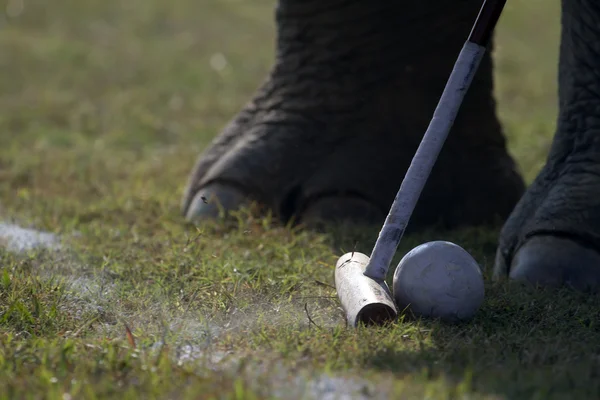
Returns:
point(552, 238)
point(332, 131)
point(348, 165)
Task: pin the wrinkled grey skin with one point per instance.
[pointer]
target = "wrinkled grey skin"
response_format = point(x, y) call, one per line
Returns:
point(330, 134)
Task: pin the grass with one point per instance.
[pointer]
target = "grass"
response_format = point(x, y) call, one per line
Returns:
point(105, 106)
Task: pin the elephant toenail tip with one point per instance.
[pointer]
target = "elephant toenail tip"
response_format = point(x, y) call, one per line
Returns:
point(550, 261)
point(500, 271)
point(214, 201)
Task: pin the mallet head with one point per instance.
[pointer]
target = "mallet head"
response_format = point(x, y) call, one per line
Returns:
point(365, 300)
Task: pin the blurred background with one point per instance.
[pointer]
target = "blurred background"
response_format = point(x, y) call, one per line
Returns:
point(136, 75)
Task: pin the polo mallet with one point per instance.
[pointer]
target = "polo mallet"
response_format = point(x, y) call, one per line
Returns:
point(360, 281)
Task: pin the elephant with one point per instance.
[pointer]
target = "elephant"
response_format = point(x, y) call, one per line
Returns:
point(331, 131)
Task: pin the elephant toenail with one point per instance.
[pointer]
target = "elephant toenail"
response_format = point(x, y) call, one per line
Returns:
point(213, 200)
point(555, 261)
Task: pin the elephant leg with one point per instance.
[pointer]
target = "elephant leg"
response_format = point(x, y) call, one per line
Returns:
point(552, 237)
point(330, 133)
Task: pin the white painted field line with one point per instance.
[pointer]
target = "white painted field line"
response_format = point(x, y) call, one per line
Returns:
point(17, 239)
point(197, 335)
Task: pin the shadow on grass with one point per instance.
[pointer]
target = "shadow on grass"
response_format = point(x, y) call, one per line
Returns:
point(524, 343)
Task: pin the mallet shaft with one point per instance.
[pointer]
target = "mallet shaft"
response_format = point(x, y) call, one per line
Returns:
point(433, 140)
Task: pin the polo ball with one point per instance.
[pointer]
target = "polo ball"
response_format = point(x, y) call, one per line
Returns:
point(439, 279)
